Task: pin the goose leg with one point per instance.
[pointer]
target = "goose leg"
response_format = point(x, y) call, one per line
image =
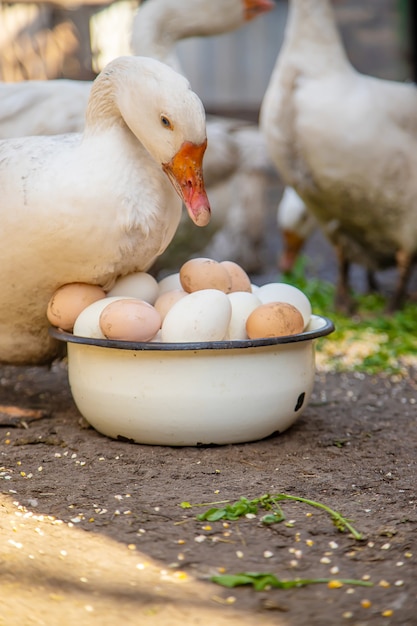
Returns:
point(344, 302)
point(404, 265)
point(372, 283)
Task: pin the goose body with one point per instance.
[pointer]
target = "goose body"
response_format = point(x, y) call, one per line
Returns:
point(93, 206)
point(43, 107)
point(346, 142)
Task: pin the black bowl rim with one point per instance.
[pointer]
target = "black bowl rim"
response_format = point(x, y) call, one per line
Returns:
point(326, 329)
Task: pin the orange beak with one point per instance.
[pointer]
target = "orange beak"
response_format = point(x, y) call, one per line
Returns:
point(185, 171)
point(253, 8)
point(292, 247)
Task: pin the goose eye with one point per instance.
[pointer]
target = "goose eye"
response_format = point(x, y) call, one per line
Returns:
point(166, 122)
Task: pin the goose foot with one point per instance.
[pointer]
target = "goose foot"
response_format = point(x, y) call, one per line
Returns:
point(17, 416)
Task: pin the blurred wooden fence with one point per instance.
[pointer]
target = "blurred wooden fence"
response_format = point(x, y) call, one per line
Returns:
point(62, 39)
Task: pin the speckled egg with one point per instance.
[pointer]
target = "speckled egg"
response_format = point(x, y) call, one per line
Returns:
point(69, 300)
point(240, 279)
point(281, 292)
point(274, 319)
point(202, 273)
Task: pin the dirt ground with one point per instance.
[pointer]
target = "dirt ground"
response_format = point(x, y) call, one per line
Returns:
point(92, 530)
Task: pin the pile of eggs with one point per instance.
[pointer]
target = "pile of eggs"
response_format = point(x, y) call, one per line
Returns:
point(205, 301)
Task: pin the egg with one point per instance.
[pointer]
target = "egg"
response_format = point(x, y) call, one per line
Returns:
point(69, 300)
point(243, 303)
point(202, 273)
point(167, 299)
point(140, 285)
point(157, 338)
point(274, 319)
point(200, 316)
point(240, 279)
point(130, 320)
point(170, 282)
point(281, 292)
point(87, 323)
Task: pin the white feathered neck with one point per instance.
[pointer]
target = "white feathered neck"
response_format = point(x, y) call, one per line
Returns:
point(159, 24)
point(311, 33)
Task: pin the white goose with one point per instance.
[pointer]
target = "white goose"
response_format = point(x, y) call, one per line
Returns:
point(90, 207)
point(347, 143)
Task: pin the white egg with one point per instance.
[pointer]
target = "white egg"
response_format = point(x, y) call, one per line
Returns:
point(243, 303)
point(281, 292)
point(140, 285)
point(254, 287)
point(87, 323)
point(157, 338)
point(169, 283)
point(200, 316)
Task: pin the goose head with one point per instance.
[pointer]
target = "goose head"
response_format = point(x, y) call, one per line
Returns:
point(165, 116)
point(214, 17)
point(253, 8)
point(159, 24)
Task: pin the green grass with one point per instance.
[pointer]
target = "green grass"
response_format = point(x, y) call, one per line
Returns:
point(370, 341)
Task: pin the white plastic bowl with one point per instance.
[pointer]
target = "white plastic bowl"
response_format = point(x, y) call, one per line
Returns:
point(193, 394)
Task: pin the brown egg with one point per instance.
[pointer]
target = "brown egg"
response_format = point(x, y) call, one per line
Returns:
point(69, 300)
point(274, 319)
point(130, 320)
point(240, 279)
point(202, 273)
point(167, 299)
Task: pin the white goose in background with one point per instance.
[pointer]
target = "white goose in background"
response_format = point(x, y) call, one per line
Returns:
point(347, 143)
point(236, 164)
point(159, 24)
point(94, 206)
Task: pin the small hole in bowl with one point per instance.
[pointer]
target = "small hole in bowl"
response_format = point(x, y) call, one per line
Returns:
point(300, 401)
